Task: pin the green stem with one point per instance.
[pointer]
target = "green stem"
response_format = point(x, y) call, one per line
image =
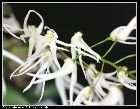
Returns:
point(110, 63)
point(101, 42)
point(93, 86)
point(64, 54)
point(126, 57)
point(133, 71)
point(131, 74)
point(109, 50)
point(102, 67)
point(85, 64)
point(77, 56)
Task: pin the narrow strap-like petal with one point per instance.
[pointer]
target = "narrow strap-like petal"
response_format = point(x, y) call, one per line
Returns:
point(31, 46)
point(110, 74)
point(82, 66)
point(79, 42)
point(42, 92)
point(86, 54)
point(63, 43)
point(129, 43)
point(31, 60)
point(53, 51)
point(61, 90)
point(100, 90)
point(72, 84)
point(40, 27)
point(30, 67)
point(68, 79)
point(66, 69)
point(10, 32)
point(132, 23)
point(43, 67)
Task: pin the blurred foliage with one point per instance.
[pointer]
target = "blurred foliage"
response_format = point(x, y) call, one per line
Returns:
point(13, 97)
point(7, 10)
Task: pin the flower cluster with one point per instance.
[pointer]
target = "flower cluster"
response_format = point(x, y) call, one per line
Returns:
point(44, 52)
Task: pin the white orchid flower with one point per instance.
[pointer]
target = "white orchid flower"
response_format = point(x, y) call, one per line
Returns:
point(86, 92)
point(100, 80)
point(80, 44)
point(28, 30)
point(35, 39)
point(114, 97)
point(122, 33)
point(77, 45)
point(125, 80)
point(66, 69)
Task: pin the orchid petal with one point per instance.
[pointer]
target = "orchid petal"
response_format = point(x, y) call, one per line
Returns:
point(67, 68)
point(31, 46)
point(85, 92)
point(100, 90)
point(25, 67)
point(131, 38)
point(63, 43)
point(40, 27)
point(42, 92)
point(86, 54)
point(59, 47)
point(7, 26)
point(132, 23)
point(53, 51)
point(130, 43)
point(79, 42)
point(125, 80)
point(76, 91)
point(98, 94)
point(107, 75)
point(60, 85)
point(114, 97)
point(82, 66)
point(77, 85)
point(31, 60)
point(43, 67)
point(73, 52)
point(61, 90)
point(72, 84)
point(30, 67)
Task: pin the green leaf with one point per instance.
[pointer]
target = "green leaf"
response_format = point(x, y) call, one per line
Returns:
point(14, 97)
